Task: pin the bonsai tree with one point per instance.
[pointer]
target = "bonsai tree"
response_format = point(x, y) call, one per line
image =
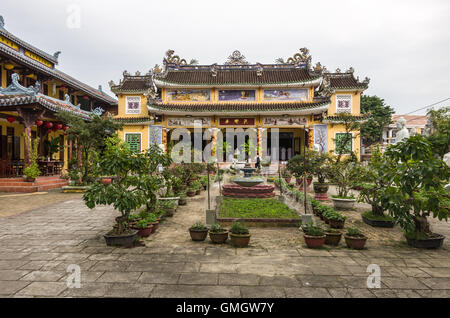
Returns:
point(298, 165)
point(344, 174)
point(415, 186)
point(319, 165)
point(373, 182)
point(136, 184)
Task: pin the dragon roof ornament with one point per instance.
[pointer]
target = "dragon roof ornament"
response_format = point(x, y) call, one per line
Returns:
point(303, 57)
point(16, 89)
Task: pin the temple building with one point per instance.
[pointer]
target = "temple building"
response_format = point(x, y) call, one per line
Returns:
point(32, 90)
point(300, 99)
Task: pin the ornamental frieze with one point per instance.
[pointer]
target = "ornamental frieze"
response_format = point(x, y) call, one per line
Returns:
point(291, 121)
point(188, 121)
point(237, 121)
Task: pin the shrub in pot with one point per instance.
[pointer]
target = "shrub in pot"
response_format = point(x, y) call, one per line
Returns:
point(286, 174)
point(168, 206)
point(218, 234)
point(152, 220)
point(182, 200)
point(344, 174)
point(415, 190)
point(239, 235)
point(371, 189)
point(355, 239)
point(332, 236)
point(313, 235)
point(32, 171)
point(144, 228)
point(134, 186)
point(198, 231)
point(190, 192)
point(336, 220)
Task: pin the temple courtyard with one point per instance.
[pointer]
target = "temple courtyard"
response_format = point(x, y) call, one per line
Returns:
point(39, 241)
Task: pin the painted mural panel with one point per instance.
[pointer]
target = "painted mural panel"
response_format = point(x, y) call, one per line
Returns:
point(237, 95)
point(286, 94)
point(155, 135)
point(321, 137)
point(188, 121)
point(188, 95)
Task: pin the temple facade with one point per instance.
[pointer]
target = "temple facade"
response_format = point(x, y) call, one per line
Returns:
point(299, 99)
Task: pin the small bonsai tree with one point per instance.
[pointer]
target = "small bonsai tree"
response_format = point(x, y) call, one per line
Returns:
point(415, 186)
point(299, 164)
point(344, 174)
point(239, 228)
point(136, 184)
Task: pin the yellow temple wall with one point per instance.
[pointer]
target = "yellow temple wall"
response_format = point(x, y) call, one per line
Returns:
point(122, 106)
point(356, 102)
point(136, 129)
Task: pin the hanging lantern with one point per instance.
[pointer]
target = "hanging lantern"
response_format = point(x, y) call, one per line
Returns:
point(11, 119)
point(65, 127)
point(63, 88)
point(58, 126)
point(38, 123)
point(48, 125)
point(85, 97)
point(49, 131)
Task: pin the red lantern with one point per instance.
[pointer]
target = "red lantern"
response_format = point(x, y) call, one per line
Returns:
point(65, 127)
point(49, 131)
point(38, 122)
point(58, 126)
point(48, 125)
point(11, 119)
point(85, 97)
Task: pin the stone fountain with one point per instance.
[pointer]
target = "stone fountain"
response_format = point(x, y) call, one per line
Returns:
point(248, 186)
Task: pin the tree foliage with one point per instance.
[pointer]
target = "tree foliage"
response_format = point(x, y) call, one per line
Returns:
point(380, 115)
point(415, 181)
point(90, 135)
point(440, 134)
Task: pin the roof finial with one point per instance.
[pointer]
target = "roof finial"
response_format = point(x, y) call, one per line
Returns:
point(2, 22)
point(56, 54)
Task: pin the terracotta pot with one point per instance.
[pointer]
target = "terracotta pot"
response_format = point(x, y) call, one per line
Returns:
point(314, 241)
point(240, 240)
point(155, 226)
point(182, 201)
point(197, 192)
point(335, 224)
point(145, 232)
point(333, 238)
point(354, 242)
point(190, 193)
point(198, 235)
point(106, 180)
point(218, 238)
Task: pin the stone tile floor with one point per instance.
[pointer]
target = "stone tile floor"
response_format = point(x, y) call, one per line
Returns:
point(37, 246)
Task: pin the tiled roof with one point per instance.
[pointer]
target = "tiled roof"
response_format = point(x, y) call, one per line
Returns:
point(225, 75)
point(132, 84)
point(132, 120)
point(344, 81)
point(240, 107)
point(336, 119)
point(52, 72)
point(411, 120)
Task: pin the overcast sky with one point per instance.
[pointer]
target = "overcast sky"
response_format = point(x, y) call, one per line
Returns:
point(402, 46)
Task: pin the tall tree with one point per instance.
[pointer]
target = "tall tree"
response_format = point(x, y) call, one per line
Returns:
point(439, 136)
point(380, 116)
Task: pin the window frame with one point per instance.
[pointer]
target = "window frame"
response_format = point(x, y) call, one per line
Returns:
point(134, 133)
point(133, 112)
point(346, 96)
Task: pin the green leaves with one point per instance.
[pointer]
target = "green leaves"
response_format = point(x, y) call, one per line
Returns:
point(380, 116)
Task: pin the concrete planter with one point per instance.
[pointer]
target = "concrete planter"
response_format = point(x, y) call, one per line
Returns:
point(121, 240)
point(430, 243)
point(343, 204)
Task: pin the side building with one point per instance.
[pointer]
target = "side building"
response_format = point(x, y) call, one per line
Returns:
point(299, 99)
point(32, 90)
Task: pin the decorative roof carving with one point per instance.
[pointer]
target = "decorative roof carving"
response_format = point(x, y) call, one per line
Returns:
point(259, 69)
point(236, 58)
point(171, 58)
point(56, 54)
point(318, 67)
point(2, 22)
point(98, 111)
point(16, 89)
point(296, 59)
point(213, 69)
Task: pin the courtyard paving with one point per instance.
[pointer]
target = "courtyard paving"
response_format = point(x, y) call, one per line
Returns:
point(38, 244)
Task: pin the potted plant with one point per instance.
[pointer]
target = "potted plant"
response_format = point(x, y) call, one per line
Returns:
point(144, 228)
point(286, 174)
point(332, 236)
point(372, 186)
point(218, 234)
point(198, 231)
point(168, 206)
point(204, 182)
point(319, 166)
point(152, 220)
point(197, 185)
point(313, 235)
point(355, 239)
point(344, 174)
point(182, 200)
point(239, 235)
point(336, 220)
point(301, 165)
point(415, 189)
point(132, 190)
point(52, 146)
point(190, 192)
point(32, 171)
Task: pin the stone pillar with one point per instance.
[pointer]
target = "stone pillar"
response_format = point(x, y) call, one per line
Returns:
point(28, 117)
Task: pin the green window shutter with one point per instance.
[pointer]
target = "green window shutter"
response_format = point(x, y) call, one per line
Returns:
point(134, 141)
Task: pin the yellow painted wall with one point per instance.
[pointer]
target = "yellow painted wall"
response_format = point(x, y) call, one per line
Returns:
point(133, 129)
point(122, 106)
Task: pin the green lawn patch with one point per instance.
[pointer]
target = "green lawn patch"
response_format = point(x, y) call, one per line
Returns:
point(256, 208)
